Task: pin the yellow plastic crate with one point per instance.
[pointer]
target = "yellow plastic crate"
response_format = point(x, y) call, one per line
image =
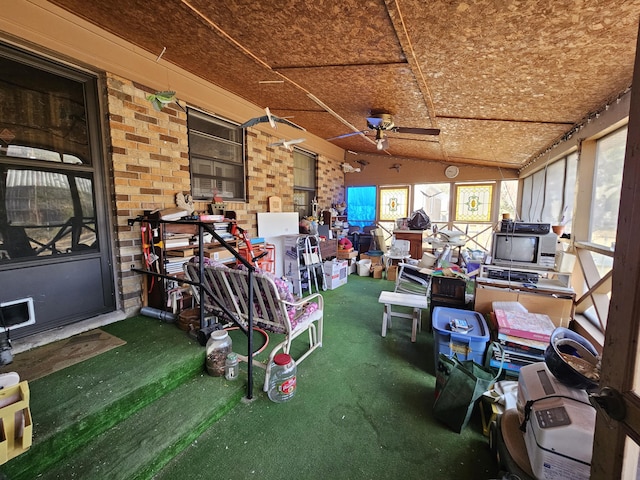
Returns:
point(489, 412)
point(16, 430)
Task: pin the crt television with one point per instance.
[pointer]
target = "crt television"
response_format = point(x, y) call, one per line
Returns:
point(524, 250)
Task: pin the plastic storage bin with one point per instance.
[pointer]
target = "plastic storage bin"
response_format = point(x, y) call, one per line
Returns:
point(471, 345)
point(364, 267)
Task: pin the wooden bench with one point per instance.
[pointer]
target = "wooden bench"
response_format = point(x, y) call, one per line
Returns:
point(417, 302)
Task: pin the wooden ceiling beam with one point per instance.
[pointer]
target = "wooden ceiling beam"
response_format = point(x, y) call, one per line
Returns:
point(405, 41)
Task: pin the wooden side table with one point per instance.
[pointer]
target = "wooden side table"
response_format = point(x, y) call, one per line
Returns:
point(416, 239)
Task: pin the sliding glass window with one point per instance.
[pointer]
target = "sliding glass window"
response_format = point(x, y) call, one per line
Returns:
point(304, 181)
point(216, 155)
point(610, 152)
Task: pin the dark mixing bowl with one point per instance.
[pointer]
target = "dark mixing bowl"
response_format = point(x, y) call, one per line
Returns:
point(572, 344)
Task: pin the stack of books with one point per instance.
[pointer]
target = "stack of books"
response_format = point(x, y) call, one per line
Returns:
point(174, 240)
point(175, 265)
point(222, 229)
point(523, 336)
point(183, 252)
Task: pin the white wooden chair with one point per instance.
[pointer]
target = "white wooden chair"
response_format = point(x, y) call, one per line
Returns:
point(411, 280)
point(398, 252)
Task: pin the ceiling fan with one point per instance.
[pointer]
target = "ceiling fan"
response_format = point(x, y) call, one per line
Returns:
point(382, 122)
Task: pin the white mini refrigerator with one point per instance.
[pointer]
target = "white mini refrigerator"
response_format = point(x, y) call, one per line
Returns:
point(559, 426)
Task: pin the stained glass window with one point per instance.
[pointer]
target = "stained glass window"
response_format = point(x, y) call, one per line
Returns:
point(394, 203)
point(473, 203)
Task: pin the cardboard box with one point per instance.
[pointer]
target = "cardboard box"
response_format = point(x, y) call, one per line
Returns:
point(375, 259)
point(558, 309)
point(218, 254)
point(298, 278)
point(392, 273)
point(335, 273)
point(344, 254)
point(377, 271)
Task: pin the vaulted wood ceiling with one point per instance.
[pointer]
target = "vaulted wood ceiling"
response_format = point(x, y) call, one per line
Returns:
point(502, 80)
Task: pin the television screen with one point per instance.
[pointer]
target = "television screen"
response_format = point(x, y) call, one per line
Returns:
point(510, 248)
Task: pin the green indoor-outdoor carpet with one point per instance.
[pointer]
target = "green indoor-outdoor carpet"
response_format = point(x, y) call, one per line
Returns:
point(72, 405)
point(362, 410)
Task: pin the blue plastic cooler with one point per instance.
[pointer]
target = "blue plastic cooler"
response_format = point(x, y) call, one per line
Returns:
point(470, 345)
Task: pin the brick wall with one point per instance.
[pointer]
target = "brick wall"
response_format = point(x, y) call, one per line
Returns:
point(330, 183)
point(150, 165)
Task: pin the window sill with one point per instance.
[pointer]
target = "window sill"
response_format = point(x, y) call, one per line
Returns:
point(593, 247)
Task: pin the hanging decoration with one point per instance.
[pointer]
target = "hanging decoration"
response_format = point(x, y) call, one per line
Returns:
point(159, 100)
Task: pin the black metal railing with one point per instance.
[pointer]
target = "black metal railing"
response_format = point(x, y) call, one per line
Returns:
point(205, 289)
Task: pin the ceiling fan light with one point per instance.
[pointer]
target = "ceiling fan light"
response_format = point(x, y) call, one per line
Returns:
point(381, 121)
point(374, 122)
point(380, 143)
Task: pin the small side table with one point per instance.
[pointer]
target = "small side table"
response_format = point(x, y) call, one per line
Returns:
point(417, 302)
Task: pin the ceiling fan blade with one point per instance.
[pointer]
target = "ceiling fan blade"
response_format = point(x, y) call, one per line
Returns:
point(417, 131)
point(345, 135)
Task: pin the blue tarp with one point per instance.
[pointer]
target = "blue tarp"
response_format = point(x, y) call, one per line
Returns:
point(361, 206)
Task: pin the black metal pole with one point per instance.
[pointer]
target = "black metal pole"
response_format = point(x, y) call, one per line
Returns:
point(201, 273)
point(250, 338)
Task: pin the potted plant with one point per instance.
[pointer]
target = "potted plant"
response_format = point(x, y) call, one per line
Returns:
point(558, 228)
